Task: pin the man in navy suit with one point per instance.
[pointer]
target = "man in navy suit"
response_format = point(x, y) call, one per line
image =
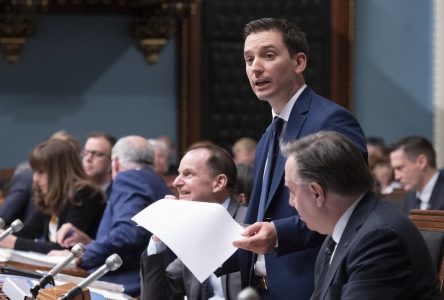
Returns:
point(372, 250)
point(275, 53)
point(414, 161)
point(135, 186)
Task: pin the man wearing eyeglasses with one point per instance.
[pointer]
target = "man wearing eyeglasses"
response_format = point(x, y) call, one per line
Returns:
point(96, 159)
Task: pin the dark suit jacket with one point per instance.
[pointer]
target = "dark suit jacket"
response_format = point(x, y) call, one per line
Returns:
point(19, 202)
point(381, 255)
point(86, 216)
point(163, 281)
point(436, 199)
point(290, 269)
point(132, 191)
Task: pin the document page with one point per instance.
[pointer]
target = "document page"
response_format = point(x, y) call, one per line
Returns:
point(199, 233)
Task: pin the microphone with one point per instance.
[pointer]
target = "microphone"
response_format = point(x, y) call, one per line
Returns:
point(248, 293)
point(76, 251)
point(112, 263)
point(16, 226)
point(2, 223)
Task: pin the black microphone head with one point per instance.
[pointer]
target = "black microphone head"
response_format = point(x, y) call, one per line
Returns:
point(77, 250)
point(17, 225)
point(2, 223)
point(113, 262)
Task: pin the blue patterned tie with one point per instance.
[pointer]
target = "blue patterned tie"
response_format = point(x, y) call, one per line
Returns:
point(273, 153)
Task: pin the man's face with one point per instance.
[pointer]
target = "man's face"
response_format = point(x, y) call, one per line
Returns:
point(301, 198)
point(270, 69)
point(96, 158)
point(407, 172)
point(195, 181)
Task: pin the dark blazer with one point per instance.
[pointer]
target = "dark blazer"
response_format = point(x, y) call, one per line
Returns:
point(381, 255)
point(163, 281)
point(19, 202)
point(290, 269)
point(85, 216)
point(132, 191)
point(436, 199)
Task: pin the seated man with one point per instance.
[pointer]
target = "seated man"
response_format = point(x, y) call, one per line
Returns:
point(135, 186)
point(372, 250)
point(96, 159)
point(206, 173)
point(414, 161)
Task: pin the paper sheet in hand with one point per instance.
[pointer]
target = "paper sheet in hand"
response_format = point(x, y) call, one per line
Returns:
point(200, 233)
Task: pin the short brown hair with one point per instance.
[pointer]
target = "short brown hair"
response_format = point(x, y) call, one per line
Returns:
point(293, 38)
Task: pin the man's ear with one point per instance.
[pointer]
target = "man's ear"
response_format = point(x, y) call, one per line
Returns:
point(300, 60)
point(318, 193)
point(219, 183)
point(422, 161)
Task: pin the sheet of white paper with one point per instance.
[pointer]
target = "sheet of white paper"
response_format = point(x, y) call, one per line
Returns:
point(199, 233)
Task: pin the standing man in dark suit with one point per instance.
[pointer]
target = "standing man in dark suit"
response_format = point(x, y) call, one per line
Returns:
point(206, 173)
point(275, 53)
point(414, 161)
point(135, 186)
point(372, 250)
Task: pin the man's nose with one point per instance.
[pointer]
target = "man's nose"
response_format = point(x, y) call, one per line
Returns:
point(177, 181)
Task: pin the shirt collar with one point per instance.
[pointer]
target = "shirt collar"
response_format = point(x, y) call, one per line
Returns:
point(285, 113)
point(426, 192)
point(343, 220)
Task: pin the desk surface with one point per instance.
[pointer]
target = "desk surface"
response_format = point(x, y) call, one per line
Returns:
point(70, 271)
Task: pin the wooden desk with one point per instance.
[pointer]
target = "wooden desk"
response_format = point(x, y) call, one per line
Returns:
point(69, 271)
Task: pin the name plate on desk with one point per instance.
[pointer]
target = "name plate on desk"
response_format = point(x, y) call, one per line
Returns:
point(17, 288)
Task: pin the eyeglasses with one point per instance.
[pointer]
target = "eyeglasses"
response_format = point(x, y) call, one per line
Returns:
point(94, 153)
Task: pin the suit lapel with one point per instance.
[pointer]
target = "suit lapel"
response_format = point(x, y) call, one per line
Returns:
point(292, 131)
point(355, 222)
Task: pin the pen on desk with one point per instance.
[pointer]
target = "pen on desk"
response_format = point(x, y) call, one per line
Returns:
point(19, 272)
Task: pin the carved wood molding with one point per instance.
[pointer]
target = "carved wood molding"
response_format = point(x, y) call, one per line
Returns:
point(155, 21)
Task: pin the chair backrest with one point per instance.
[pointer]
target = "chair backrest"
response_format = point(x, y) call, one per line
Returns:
point(431, 225)
point(396, 198)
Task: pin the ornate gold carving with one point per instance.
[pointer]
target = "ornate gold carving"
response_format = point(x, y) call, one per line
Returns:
point(16, 25)
point(157, 24)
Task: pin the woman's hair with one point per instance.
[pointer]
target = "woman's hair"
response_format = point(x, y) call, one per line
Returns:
point(65, 175)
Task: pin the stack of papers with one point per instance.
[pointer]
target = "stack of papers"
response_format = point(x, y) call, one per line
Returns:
point(32, 258)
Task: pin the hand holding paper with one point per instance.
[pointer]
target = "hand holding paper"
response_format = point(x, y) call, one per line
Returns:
point(201, 234)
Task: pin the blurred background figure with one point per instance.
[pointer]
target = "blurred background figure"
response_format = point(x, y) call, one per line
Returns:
point(413, 159)
point(172, 156)
point(19, 203)
point(383, 173)
point(244, 183)
point(62, 193)
point(375, 145)
point(161, 156)
point(96, 159)
point(244, 151)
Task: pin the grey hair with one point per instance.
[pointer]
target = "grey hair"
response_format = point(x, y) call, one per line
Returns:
point(333, 161)
point(133, 151)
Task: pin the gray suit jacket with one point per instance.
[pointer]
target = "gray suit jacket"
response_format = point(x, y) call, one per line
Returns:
point(162, 280)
